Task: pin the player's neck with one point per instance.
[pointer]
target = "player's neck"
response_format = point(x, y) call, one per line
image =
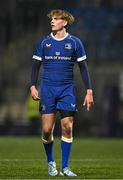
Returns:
point(60, 34)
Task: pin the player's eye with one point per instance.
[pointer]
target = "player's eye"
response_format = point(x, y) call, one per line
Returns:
point(56, 18)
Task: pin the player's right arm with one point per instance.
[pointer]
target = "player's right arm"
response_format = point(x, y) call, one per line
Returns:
point(34, 77)
point(37, 60)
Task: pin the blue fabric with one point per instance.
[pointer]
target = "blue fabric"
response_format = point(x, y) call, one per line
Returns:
point(66, 149)
point(85, 74)
point(58, 58)
point(35, 69)
point(57, 98)
point(49, 151)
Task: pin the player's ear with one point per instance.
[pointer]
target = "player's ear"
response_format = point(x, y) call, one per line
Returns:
point(65, 23)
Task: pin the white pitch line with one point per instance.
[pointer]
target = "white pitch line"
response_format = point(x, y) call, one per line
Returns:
point(72, 160)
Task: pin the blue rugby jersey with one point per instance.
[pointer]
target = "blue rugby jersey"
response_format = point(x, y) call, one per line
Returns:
point(58, 57)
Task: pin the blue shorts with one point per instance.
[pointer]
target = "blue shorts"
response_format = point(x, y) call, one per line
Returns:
point(57, 98)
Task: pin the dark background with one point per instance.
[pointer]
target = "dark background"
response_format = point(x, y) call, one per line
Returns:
point(99, 24)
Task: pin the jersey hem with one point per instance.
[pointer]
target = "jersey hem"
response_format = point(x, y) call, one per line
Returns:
point(50, 112)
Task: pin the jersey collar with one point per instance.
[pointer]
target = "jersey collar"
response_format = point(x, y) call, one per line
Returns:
point(60, 38)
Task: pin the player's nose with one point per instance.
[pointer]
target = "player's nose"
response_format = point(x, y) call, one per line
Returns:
point(52, 22)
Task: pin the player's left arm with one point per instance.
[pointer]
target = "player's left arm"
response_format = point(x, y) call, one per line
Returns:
point(88, 100)
point(81, 59)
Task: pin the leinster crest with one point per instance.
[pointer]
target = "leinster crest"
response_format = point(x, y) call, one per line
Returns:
point(68, 46)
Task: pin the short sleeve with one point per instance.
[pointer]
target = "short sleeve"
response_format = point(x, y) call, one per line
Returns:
point(80, 51)
point(38, 51)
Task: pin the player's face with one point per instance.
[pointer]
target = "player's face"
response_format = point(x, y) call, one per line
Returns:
point(57, 23)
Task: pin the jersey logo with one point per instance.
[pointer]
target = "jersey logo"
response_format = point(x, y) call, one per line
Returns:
point(57, 53)
point(68, 46)
point(48, 45)
point(73, 105)
point(43, 107)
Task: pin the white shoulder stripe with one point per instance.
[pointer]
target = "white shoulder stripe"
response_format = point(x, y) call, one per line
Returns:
point(37, 57)
point(81, 58)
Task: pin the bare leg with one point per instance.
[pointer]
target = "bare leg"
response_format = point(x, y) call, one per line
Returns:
point(67, 126)
point(48, 122)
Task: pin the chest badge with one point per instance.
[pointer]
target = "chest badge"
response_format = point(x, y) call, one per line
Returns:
point(68, 46)
point(48, 45)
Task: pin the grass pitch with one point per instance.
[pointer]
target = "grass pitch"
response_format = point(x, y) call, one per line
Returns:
point(24, 158)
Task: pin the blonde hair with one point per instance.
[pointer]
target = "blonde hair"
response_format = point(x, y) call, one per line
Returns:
point(62, 14)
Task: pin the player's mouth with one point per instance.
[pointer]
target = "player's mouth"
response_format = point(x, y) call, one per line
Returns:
point(52, 25)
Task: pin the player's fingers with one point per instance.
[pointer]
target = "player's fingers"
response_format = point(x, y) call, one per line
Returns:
point(37, 97)
point(88, 109)
point(84, 102)
point(89, 105)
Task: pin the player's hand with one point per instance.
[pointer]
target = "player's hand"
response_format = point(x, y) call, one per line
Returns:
point(88, 101)
point(34, 93)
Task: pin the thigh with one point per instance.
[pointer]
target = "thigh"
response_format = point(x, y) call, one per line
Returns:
point(48, 121)
point(67, 121)
point(47, 100)
point(67, 99)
